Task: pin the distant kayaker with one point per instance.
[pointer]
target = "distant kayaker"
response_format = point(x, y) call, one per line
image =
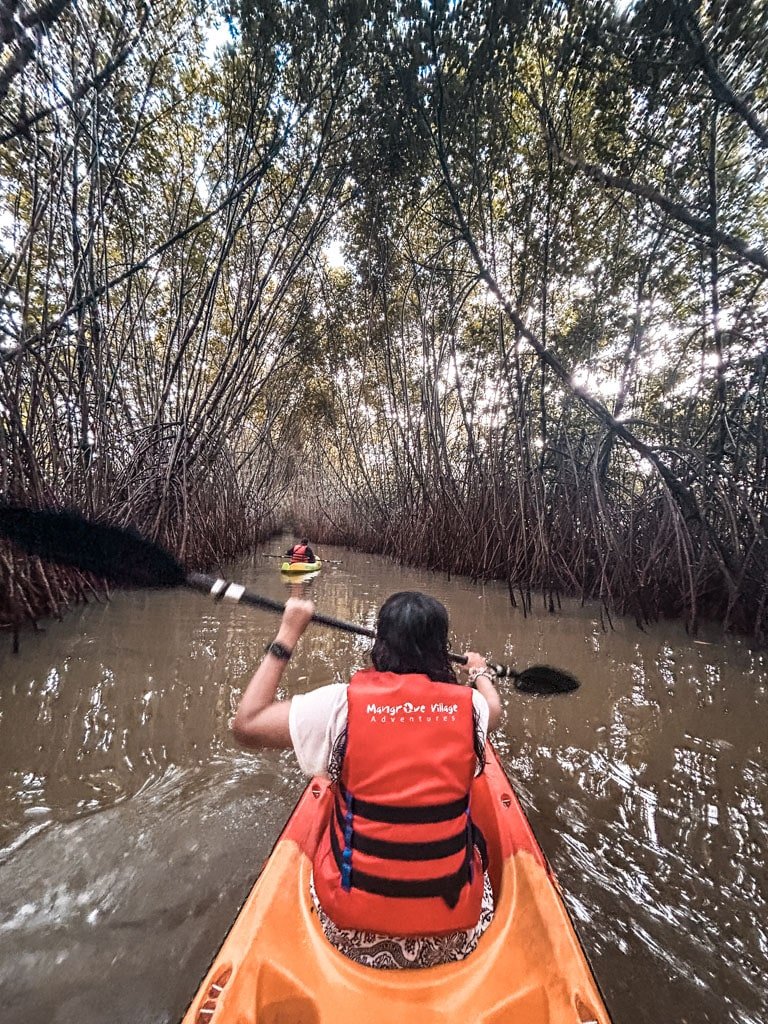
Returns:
point(300, 552)
point(399, 878)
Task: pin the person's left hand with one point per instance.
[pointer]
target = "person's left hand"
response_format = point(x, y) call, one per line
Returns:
point(297, 616)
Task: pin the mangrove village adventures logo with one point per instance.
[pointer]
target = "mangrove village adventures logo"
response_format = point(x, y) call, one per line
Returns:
point(437, 711)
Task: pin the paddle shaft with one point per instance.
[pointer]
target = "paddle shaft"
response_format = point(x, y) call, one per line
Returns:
point(125, 558)
point(284, 558)
point(221, 590)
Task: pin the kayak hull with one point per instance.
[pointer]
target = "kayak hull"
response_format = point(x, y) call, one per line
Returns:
point(276, 966)
point(301, 567)
point(295, 579)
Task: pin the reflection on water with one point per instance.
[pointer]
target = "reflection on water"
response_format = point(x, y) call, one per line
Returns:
point(131, 827)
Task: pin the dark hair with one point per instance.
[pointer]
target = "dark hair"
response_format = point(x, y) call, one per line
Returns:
point(304, 540)
point(412, 636)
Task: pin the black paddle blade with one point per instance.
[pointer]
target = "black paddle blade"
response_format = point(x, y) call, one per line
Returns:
point(117, 554)
point(544, 679)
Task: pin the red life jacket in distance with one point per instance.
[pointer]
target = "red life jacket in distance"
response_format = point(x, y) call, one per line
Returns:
point(299, 553)
point(398, 856)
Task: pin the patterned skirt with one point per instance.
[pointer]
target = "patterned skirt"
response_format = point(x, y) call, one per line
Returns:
point(390, 952)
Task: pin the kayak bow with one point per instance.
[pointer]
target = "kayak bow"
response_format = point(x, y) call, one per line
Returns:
point(276, 966)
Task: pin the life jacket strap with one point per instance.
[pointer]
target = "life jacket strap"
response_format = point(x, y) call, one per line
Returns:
point(427, 815)
point(401, 851)
point(447, 886)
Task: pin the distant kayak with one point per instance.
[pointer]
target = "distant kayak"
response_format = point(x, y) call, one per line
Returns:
point(301, 566)
point(277, 967)
point(298, 579)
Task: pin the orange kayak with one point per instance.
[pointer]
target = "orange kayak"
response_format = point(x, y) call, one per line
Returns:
point(277, 967)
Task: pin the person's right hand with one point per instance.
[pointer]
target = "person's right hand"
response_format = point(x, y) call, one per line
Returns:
point(483, 679)
point(475, 661)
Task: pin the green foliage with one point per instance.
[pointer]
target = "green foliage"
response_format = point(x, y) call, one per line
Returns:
point(550, 298)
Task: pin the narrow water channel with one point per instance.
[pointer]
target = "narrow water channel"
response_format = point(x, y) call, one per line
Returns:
point(131, 826)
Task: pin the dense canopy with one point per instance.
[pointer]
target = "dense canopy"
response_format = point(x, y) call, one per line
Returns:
point(476, 284)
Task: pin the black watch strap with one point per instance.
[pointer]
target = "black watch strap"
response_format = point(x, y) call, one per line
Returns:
point(279, 650)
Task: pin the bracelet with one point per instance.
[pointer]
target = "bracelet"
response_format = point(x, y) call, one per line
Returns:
point(475, 672)
point(279, 650)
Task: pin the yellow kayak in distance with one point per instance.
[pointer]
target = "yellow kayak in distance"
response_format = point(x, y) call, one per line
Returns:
point(301, 566)
point(277, 967)
point(298, 579)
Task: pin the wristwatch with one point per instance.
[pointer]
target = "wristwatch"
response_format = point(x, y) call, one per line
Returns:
point(279, 650)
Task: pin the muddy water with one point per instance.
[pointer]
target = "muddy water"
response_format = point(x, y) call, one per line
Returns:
point(131, 827)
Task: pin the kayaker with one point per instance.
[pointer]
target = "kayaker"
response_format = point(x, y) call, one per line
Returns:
point(399, 877)
point(300, 552)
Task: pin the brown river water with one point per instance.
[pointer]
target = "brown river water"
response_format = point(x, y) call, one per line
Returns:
point(132, 827)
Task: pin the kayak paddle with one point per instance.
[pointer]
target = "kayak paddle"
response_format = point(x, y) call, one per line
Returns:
point(125, 558)
point(284, 558)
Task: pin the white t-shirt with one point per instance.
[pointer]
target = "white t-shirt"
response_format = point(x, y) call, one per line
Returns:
point(317, 719)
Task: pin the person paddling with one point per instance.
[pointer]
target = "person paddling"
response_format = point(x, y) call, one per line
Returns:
point(399, 878)
point(300, 552)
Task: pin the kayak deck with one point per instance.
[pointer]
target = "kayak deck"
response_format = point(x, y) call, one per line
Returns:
point(301, 566)
point(277, 967)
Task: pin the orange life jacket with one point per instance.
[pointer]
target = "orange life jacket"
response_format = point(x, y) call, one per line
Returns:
point(400, 854)
point(298, 553)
